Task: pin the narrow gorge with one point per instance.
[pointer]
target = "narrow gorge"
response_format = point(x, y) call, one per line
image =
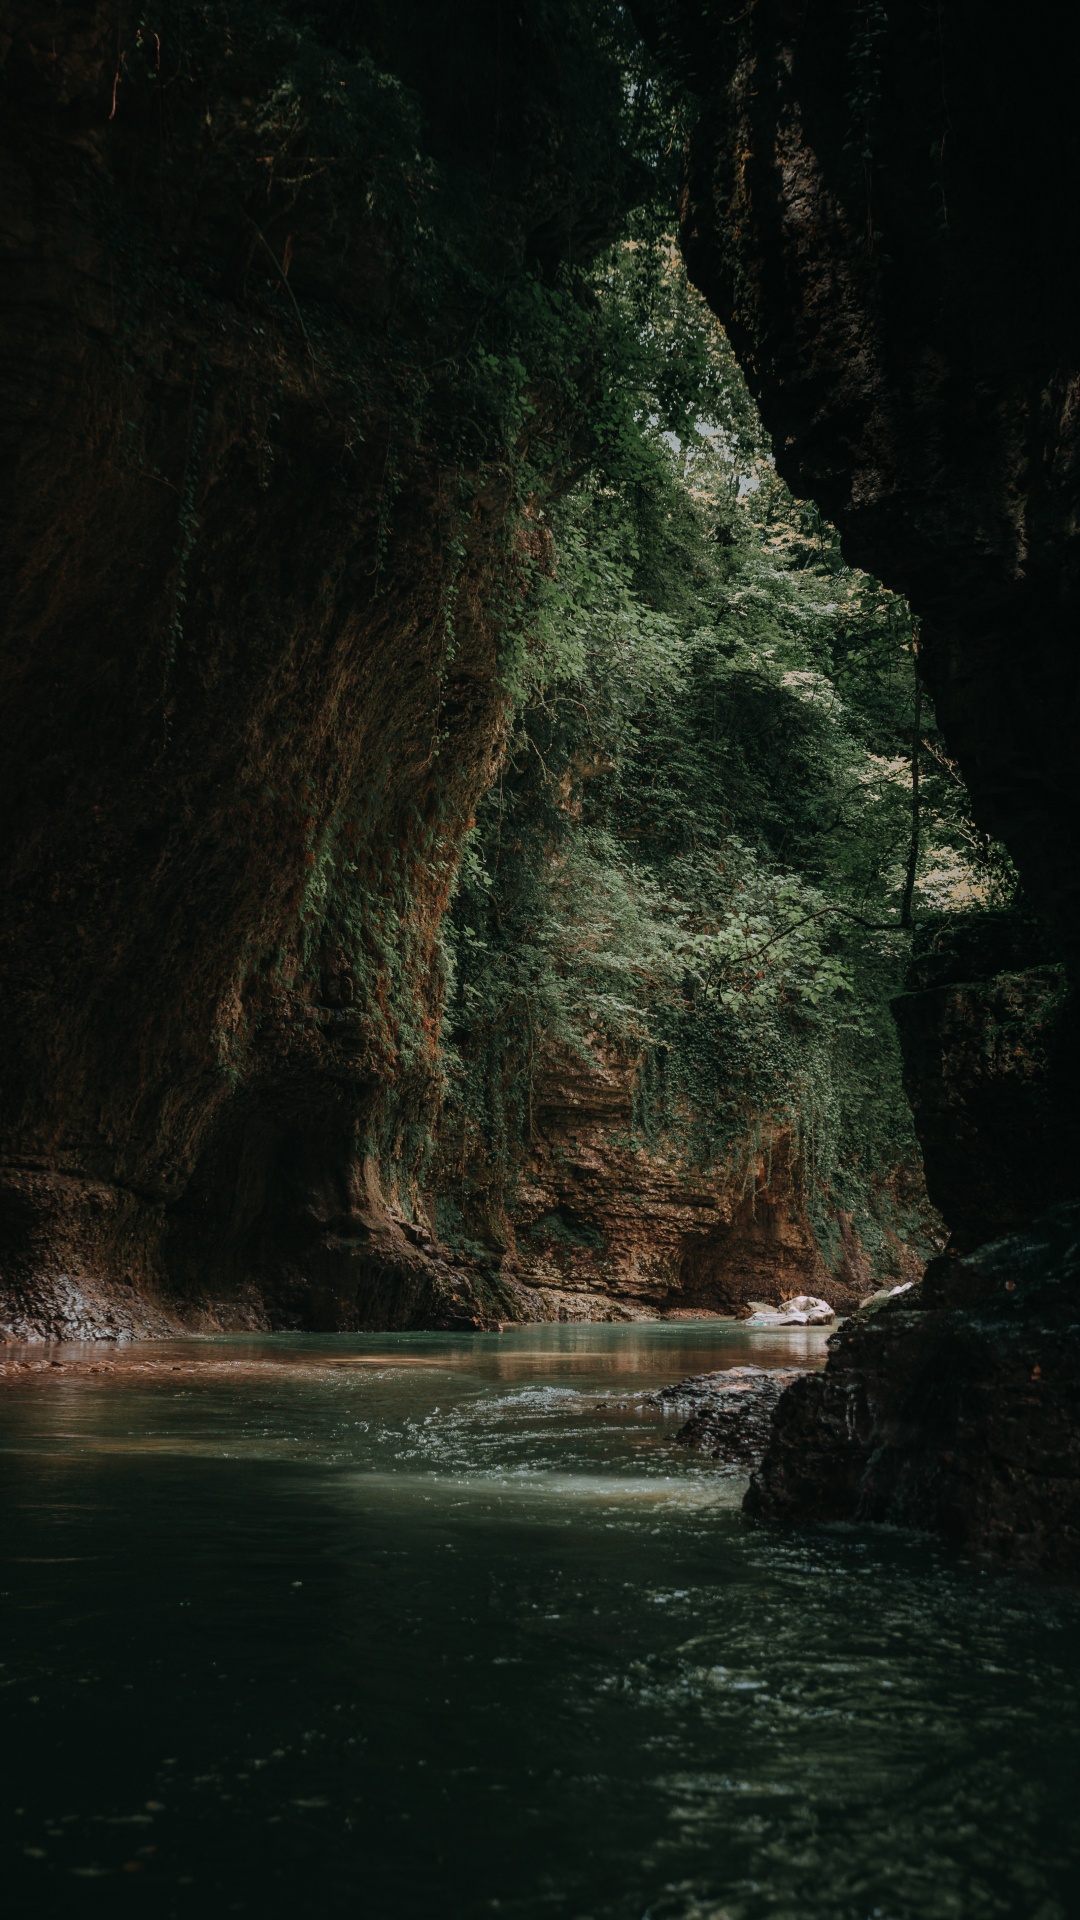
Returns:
point(539, 698)
point(539, 909)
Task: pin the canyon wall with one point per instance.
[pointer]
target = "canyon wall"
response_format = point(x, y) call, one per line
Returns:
point(881, 206)
point(273, 443)
point(602, 1224)
point(264, 536)
point(985, 1033)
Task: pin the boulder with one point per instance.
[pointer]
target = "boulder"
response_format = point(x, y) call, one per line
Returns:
point(803, 1310)
point(730, 1411)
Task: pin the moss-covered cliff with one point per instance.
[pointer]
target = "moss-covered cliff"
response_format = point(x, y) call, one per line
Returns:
point(298, 346)
point(674, 1079)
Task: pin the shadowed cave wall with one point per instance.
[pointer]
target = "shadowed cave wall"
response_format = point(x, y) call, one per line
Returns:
point(881, 205)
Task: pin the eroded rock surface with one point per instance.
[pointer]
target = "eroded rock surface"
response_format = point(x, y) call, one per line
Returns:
point(731, 1411)
point(952, 1407)
point(257, 527)
point(603, 1226)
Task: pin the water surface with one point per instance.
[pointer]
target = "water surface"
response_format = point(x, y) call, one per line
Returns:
point(400, 1626)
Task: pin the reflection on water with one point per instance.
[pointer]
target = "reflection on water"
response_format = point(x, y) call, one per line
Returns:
point(434, 1625)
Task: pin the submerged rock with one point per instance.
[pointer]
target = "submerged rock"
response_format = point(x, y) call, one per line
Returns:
point(730, 1411)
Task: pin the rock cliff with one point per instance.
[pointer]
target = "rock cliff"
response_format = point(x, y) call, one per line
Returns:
point(262, 539)
point(604, 1225)
point(881, 205)
point(952, 1407)
point(985, 1034)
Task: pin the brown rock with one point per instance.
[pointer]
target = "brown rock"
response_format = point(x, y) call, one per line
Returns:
point(241, 494)
point(601, 1217)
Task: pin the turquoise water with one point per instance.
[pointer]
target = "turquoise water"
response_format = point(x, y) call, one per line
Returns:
point(400, 1626)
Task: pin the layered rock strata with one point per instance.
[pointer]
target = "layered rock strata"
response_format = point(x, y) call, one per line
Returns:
point(602, 1225)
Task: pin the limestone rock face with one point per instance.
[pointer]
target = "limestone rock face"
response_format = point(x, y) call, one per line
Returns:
point(246, 475)
point(598, 1212)
point(603, 1225)
point(805, 1310)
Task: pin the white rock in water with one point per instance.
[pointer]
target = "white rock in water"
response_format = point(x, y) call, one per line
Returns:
point(805, 1310)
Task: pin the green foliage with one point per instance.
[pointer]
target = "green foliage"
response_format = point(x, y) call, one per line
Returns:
point(415, 296)
point(695, 856)
point(695, 853)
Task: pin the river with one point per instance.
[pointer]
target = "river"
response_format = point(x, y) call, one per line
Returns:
point(428, 1625)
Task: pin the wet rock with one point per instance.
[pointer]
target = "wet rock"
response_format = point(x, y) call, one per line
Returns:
point(804, 1310)
point(952, 1408)
point(875, 1300)
point(730, 1411)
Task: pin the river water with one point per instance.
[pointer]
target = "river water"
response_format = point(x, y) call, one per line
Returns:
point(410, 1626)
